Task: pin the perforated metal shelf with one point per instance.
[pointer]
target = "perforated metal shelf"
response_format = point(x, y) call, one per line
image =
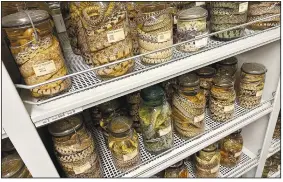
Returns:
point(275, 147)
point(110, 171)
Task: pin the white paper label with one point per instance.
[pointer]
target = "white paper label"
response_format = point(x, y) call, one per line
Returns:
point(116, 35)
point(228, 108)
point(83, 168)
point(243, 7)
point(200, 3)
point(130, 156)
point(164, 36)
point(238, 154)
point(199, 118)
point(44, 68)
point(215, 169)
point(259, 93)
point(59, 23)
point(165, 131)
point(199, 43)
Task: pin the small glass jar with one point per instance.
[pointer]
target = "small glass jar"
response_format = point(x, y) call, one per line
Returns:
point(206, 75)
point(231, 149)
point(190, 24)
point(222, 99)
point(133, 101)
point(251, 84)
point(12, 166)
point(155, 118)
point(123, 143)
point(188, 108)
point(36, 51)
point(277, 130)
point(178, 170)
point(227, 67)
point(74, 148)
point(208, 162)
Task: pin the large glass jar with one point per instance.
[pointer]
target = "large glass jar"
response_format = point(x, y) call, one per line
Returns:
point(133, 101)
point(123, 143)
point(36, 51)
point(277, 130)
point(251, 84)
point(155, 118)
point(206, 75)
point(178, 170)
point(258, 10)
point(222, 99)
point(188, 108)
point(228, 67)
point(208, 162)
point(74, 148)
point(231, 149)
point(191, 23)
point(12, 166)
point(226, 15)
point(155, 31)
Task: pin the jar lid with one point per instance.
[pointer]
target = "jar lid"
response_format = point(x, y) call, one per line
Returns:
point(11, 164)
point(110, 106)
point(211, 147)
point(65, 126)
point(188, 80)
point(238, 131)
point(206, 72)
point(253, 68)
point(223, 81)
point(120, 125)
point(178, 164)
point(192, 13)
point(229, 61)
point(7, 145)
point(21, 18)
point(153, 96)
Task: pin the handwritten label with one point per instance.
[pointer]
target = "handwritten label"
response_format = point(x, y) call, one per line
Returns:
point(259, 93)
point(165, 131)
point(199, 43)
point(164, 36)
point(243, 7)
point(130, 156)
point(200, 3)
point(228, 108)
point(44, 68)
point(215, 169)
point(81, 169)
point(237, 154)
point(59, 23)
point(116, 35)
point(199, 118)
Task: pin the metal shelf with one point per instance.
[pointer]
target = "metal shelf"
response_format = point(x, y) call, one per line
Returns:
point(275, 147)
point(152, 164)
point(88, 91)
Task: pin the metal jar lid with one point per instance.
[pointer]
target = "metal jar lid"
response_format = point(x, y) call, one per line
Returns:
point(253, 68)
point(65, 126)
point(110, 106)
point(7, 145)
point(223, 81)
point(120, 126)
point(192, 13)
point(188, 80)
point(206, 72)
point(11, 165)
point(211, 148)
point(229, 61)
point(178, 164)
point(21, 18)
point(153, 96)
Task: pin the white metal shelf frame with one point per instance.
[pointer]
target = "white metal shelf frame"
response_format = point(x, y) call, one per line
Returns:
point(274, 148)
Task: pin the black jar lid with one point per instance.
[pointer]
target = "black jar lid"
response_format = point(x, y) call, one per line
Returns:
point(110, 106)
point(21, 18)
point(120, 126)
point(206, 72)
point(153, 96)
point(223, 81)
point(65, 126)
point(229, 61)
point(253, 68)
point(178, 164)
point(188, 80)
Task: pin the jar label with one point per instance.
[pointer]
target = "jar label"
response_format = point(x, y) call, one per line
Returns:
point(82, 169)
point(259, 93)
point(44, 68)
point(116, 35)
point(199, 118)
point(243, 7)
point(130, 156)
point(164, 36)
point(237, 154)
point(165, 131)
point(199, 43)
point(215, 169)
point(228, 108)
point(200, 3)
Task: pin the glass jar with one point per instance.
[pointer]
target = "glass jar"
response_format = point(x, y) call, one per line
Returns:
point(226, 15)
point(123, 143)
point(178, 170)
point(277, 130)
point(168, 87)
point(206, 75)
point(155, 31)
point(37, 53)
point(12, 166)
point(231, 149)
point(132, 16)
point(188, 108)
point(251, 84)
point(7, 147)
point(133, 101)
point(227, 67)
point(155, 119)
point(74, 148)
point(208, 162)
point(267, 168)
point(276, 158)
point(191, 23)
point(222, 99)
